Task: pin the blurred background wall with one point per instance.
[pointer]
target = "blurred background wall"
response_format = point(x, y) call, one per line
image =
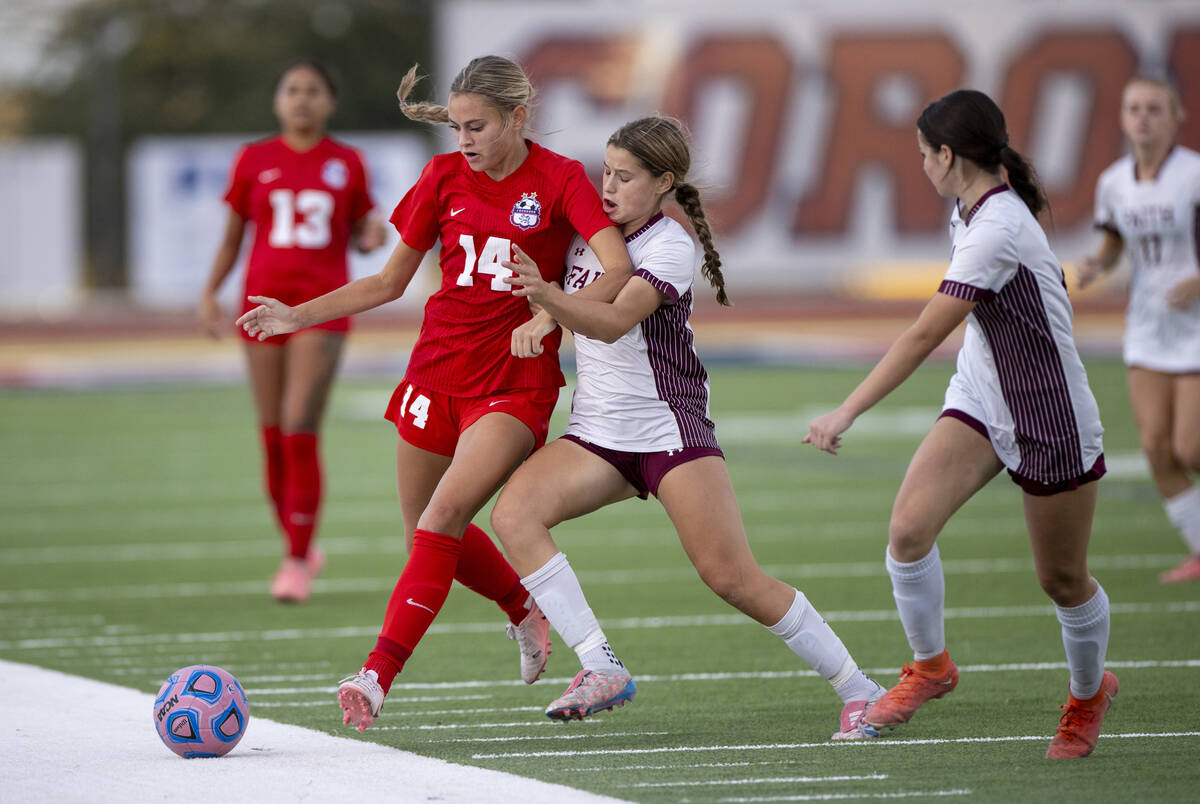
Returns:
point(120, 119)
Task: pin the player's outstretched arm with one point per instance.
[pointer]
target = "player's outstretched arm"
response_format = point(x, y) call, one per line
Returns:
point(355, 297)
point(940, 317)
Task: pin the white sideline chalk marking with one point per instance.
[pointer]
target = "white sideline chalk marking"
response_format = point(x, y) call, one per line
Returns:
point(731, 676)
point(829, 744)
point(765, 780)
point(851, 796)
point(273, 763)
point(516, 739)
point(165, 641)
point(858, 569)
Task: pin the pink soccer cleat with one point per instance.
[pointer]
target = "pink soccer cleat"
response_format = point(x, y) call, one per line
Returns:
point(1189, 570)
point(852, 725)
point(293, 582)
point(361, 698)
point(533, 638)
point(593, 691)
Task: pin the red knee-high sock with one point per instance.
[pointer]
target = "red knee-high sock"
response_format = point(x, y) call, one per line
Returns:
point(416, 600)
point(482, 569)
point(302, 490)
point(273, 470)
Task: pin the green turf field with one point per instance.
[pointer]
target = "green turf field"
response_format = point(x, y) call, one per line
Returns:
point(135, 540)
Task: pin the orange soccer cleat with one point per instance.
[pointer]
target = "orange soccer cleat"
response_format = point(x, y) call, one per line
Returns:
point(1079, 726)
point(920, 681)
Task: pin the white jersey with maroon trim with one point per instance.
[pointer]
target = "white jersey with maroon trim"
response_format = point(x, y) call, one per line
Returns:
point(1018, 357)
point(647, 391)
point(1159, 222)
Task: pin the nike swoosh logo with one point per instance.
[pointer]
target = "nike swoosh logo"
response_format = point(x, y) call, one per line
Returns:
point(497, 402)
point(454, 212)
point(412, 602)
point(268, 176)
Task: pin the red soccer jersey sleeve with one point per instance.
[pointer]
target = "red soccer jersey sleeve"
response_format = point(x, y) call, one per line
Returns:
point(463, 349)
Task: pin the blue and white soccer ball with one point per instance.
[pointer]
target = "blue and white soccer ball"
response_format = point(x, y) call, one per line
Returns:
point(201, 711)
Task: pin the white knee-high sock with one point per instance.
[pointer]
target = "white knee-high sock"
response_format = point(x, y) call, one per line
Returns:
point(920, 592)
point(1184, 512)
point(810, 637)
point(560, 597)
point(1085, 638)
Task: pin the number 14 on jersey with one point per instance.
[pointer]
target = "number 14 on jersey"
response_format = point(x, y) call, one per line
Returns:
point(495, 251)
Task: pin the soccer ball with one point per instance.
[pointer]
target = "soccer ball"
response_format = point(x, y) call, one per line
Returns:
point(201, 711)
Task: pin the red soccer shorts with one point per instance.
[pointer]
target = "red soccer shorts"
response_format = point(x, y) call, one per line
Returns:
point(433, 421)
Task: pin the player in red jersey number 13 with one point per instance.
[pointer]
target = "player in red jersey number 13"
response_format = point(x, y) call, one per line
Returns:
point(307, 197)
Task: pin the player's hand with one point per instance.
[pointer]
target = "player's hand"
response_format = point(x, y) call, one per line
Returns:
point(825, 433)
point(1185, 294)
point(372, 235)
point(527, 338)
point(527, 280)
point(270, 317)
point(212, 319)
point(1088, 271)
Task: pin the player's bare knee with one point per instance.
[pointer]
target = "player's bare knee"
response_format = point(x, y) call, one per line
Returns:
point(1188, 454)
point(1067, 587)
point(909, 538)
point(725, 581)
point(445, 516)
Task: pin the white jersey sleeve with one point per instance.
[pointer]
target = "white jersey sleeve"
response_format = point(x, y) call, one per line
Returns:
point(985, 258)
point(668, 263)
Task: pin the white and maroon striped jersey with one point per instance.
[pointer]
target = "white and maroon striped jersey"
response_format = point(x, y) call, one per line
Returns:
point(647, 391)
point(1018, 357)
point(1159, 222)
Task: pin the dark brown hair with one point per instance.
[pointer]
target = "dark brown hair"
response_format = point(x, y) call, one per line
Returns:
point(972, 126)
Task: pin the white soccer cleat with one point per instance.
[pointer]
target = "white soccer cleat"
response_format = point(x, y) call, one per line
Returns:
point(361, 698)
point(533, 638)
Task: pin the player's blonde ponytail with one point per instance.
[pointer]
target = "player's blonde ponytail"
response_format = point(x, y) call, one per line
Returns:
point(499, 81)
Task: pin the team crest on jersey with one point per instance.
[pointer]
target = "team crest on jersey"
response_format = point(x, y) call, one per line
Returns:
point(334, 173)
point(526, 213)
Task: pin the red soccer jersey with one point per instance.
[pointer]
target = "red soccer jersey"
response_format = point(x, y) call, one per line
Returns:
point(303, 205)
point(463, 349)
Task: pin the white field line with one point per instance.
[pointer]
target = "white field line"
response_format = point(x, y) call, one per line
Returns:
point(748, 675)
point(559, 736)
point(273, 763)
point(165, 641)
point(763, 780)
point(687, 766)
point(853, 796)
point(834, 744)
point(682, 574)
point(215, 517)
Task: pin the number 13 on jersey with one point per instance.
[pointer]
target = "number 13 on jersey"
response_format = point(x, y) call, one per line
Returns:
point(489, 261)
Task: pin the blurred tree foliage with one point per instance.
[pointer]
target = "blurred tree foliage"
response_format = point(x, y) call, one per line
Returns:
point(189, 66)
point(136, 67)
